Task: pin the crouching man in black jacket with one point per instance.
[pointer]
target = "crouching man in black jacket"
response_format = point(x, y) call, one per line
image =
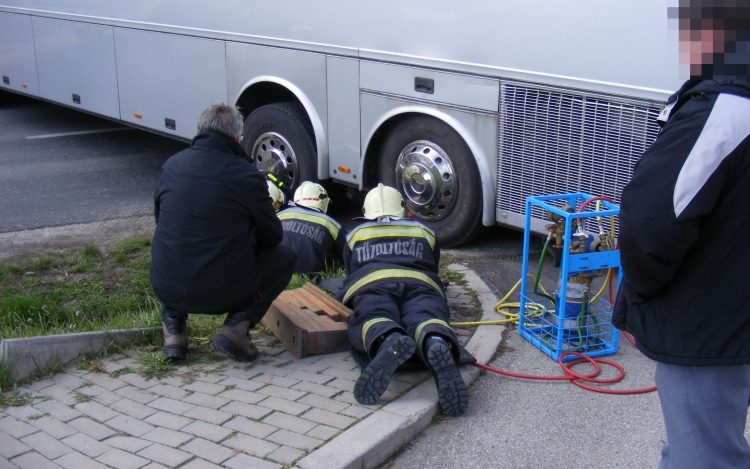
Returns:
point(216, 247)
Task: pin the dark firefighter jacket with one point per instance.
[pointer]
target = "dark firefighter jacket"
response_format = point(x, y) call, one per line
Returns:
point(313, 236)
point(212, 212)
point(390, 250)
point(685, 232)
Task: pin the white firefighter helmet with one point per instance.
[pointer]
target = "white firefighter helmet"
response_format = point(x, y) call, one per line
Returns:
point(383, 201)
point(312, 195)
point(277, 196)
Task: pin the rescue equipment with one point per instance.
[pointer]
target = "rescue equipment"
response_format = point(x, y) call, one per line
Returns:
point(312, 195)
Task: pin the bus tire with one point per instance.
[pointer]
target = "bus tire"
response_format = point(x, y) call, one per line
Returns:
point(434, 169)
point(278, 138)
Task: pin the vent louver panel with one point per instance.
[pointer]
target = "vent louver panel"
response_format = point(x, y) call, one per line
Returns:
point(554, 141)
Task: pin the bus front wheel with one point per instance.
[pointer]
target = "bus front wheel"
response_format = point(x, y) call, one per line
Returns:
point(434, 169)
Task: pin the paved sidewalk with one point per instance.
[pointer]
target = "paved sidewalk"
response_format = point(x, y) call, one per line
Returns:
point(214, 412)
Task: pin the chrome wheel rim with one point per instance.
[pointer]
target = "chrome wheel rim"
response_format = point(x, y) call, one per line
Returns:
point(427, 179)
point(273, 153)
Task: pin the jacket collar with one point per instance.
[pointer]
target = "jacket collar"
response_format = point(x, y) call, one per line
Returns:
point(218, 141)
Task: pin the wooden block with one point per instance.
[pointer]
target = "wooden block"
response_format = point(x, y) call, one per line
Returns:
point(307, 322)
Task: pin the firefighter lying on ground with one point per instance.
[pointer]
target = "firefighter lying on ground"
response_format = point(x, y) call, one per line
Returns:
point(399, 305)
point(313, 236)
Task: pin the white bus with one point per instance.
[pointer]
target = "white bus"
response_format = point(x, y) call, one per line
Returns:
point(467, 107)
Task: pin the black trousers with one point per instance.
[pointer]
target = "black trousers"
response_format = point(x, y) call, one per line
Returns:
point(409, 307)
point(275, 265)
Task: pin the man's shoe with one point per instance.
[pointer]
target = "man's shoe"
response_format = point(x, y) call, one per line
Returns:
point(234, 341)
point(375, 378)
point(175, 339)
point(452, 393)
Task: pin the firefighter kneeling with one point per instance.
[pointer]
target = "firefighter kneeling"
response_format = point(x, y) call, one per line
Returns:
point(399, 305)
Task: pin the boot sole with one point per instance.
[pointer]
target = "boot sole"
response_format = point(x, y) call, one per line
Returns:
point(452, 392)
point(227, 347)
point(175, 352)
point(376, 377)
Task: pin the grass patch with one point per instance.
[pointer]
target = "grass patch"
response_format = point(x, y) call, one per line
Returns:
point(14, 400)
point(155, 365)
point(122, 371)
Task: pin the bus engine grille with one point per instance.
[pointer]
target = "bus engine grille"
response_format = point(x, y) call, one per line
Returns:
point(555, 141)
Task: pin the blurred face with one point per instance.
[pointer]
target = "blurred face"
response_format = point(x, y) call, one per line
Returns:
point(698, 46)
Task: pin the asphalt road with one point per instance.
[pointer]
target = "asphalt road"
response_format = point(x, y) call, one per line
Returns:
point(59, 166)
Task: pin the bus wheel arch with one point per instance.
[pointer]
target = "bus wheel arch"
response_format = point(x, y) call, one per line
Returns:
point(437, 166)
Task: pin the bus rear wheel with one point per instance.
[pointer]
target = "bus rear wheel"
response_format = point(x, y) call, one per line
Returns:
point(434, 169)
point(279, 139)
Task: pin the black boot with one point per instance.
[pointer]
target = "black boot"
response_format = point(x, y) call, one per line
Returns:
point(234, 341)
point(175, 337)
point(452, 392)
point(374, 380)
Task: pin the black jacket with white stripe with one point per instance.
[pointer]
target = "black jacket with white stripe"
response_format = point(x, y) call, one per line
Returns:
point(685, 231)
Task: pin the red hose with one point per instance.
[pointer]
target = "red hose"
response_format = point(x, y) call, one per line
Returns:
point(594, 199)
point(576, 378)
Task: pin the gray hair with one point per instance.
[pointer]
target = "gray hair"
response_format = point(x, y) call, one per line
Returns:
point(221, 118)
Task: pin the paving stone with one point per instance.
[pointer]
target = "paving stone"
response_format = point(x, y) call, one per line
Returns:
point(75, 460)
point(318, 389)
point(208, 431)
point(340, 373)
point(285, 455)
point(54, 427)
point(239, 372)
point(99, 394)
point(39, 385)
point(135, 394)
point(205, 388)
point(284, 405)
point(283, 393)
point(133, 409)
point(411, 377)
point(246, 410)
point(167, 420)
point(323, 432)
point(167, 390)
point(288, 422)
point(248, 427)
point(105, 381)
point(210, 376)
point(270, 369)
point(86, 445)
point(348, 397)
point(171, 405)
point(295, 440)
point(130, 444)
point(11, 447)
point(122, 460)
point(356, 411)
point(197, 463)
point(24, 412)
point(321, 402)
point(249, 444)
point(242, 396)
point(206, 400)
point(329, 418)
point(34, 460)
point(311, 368)
point(97, 411)
point(343, 384)
point(58, 410)
point(154, 465)
point(16, 428)
point(136, 380)
point(280, 381)
point(317, 378)
point(45, 445)
point(170, 457)
point(399, 386)
point(167, 437)
point(208, 450)
point(91, 428)
point(205, 414)
point(243, 461)
point(67, 381)
point(5, 464)
point(129, 425)
point(176, 381)
point(243, 384)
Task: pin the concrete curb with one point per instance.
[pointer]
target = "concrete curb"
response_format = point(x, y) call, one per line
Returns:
point(26, 356)
point(377, 437)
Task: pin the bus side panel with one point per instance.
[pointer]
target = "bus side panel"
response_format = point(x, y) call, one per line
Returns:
point(343, 119)
point(76, 64)
point(17, 57)
point(305, 71)
point(168, 80)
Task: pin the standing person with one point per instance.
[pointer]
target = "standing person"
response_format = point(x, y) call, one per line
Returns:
point(398, 301)
point(309, 232)
point(216, 247)
point(685, 244)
